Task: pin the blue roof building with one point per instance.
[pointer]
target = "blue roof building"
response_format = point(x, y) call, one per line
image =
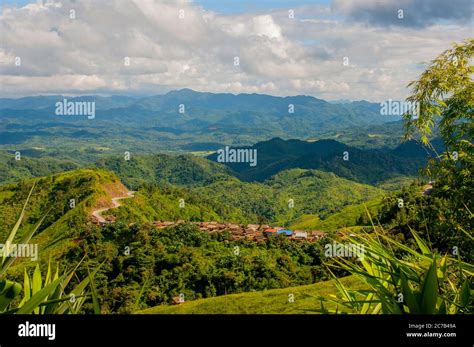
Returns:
point(285, 232)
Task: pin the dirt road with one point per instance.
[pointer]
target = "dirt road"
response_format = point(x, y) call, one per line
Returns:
point(115, 202)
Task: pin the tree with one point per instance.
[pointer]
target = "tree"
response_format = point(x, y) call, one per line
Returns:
point(445, 90)
point(445, 95)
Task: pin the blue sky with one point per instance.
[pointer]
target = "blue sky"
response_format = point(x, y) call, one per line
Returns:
point(225, 6)
point(14, 2)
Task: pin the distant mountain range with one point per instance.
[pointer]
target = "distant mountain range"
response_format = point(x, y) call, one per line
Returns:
point(256, 115)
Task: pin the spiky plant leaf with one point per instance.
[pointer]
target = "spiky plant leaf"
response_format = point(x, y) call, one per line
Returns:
point(38, 298)
point(9, 290)
point(429, 291)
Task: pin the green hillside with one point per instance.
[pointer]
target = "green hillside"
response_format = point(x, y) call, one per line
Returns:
point(31, 164)
point(361, 165)
point(183, 170)
point(163, 263)
point(163, 203)
point(226, 198)
point(353, 215)
point(317, 192)
point(274, 301)
point(51, 197)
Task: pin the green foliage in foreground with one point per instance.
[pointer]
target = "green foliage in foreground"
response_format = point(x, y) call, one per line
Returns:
point(274, 301)
point(48, 297)
point(414, 282)
point(39, 297)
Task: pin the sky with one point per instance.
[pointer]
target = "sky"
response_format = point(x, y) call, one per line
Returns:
point(339, 49)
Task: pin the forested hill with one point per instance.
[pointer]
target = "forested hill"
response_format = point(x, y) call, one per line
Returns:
point(273, 156)
point(65, 201)
point(368, 166)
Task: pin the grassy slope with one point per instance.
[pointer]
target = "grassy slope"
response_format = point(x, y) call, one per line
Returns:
point(347, 217)
point(318, 192)
point(231, 200)
point(273, 301)
point(90, 187)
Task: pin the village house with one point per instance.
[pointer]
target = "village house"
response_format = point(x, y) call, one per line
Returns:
point(285, 232)
point(300, 235)
point(270, 231)
point(255, 232)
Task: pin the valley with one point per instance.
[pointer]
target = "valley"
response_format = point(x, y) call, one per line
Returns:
point(192, 166)
point(226, 235)
point(135, 215)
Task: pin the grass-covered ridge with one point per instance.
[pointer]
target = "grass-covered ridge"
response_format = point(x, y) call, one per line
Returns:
point(279, 200)
point(274, 301)
point(350, 216)
point(65, 201)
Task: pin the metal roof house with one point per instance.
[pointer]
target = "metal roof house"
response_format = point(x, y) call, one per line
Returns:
point(300, 234)
point(285, 232)
point(270, 230)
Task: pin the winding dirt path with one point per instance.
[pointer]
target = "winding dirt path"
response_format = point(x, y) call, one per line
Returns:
point(115, 202)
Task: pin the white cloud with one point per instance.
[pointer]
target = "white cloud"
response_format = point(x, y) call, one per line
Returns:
point(265, 26)
point(278, 55)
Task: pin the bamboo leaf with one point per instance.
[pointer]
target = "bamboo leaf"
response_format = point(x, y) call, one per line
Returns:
point(465, 295)
point(408, 295)
point(26, 288)
point(36, 284)
point(77, 291)
point(137, 302)
point(429, 292)
point(37, 281)
point(421, 244)
point(95, 300)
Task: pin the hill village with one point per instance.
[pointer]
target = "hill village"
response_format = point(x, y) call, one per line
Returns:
point(255, 232)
